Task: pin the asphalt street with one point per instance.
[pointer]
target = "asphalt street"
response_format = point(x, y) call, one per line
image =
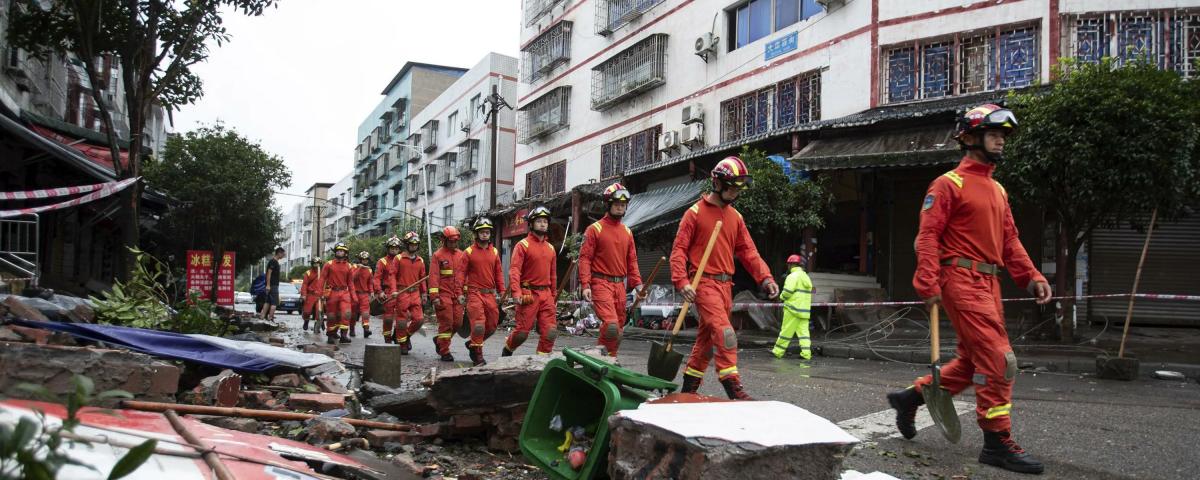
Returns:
point(1079, 426)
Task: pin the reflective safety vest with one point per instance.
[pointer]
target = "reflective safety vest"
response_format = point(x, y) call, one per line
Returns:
point(797, 293)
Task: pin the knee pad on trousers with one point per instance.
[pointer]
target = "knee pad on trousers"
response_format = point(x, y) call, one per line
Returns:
point(1010, 366)
point(729, 338)
point(519, 337)
point(477, 330)
point(552, 334)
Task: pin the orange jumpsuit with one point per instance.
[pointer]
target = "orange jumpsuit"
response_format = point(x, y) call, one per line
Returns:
point(966, 218)
point(339, 296)
point(532, 272)
point(485, 279)
point(312, 289)
point(409, 270)
point(714, 295)
point(608, 265)
point(363, 285)
point(446, 285)
point(385, 284)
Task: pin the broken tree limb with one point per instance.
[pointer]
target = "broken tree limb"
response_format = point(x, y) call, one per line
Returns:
point(210, 456)
point(1137, 277)
point(252, 413)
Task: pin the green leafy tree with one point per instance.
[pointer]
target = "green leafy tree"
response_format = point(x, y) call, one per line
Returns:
point(156, 42)
point(224, 185)
point(297, 272)
point(1107, 145)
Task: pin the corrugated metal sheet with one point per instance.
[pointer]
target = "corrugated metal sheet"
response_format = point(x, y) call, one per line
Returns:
point(1170, 268)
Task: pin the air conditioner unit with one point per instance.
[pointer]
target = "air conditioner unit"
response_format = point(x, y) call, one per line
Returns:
point(830, 3)
point(706, 45)
point(693, 134)
point(693, 113)
point(464, 125)
point(668, 141)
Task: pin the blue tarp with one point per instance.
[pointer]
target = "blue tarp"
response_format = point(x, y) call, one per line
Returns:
point(212, 351)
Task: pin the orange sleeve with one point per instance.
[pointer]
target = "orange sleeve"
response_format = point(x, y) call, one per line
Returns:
point(514, 270)
point(679, 250)
point(460, 272)
point(424, 272)
point(1016, 259)
point(553, 269)
point(631, 264)
point(499, 266)
point(745, 251)
point(935, 212)
point(586, 252)
point(435, 277)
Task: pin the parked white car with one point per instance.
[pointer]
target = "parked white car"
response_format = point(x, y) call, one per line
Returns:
point(243, 297)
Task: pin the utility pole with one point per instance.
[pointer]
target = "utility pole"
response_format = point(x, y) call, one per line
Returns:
point(495, 103)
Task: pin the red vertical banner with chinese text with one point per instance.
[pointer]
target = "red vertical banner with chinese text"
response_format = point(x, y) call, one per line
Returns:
point(200, 278)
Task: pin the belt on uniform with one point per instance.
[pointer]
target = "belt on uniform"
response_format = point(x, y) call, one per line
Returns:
point(972, 265)
point(609, 278)
point(485, 290)
point(720, 277)
point(338, 289)
point(536, 287)
point(409, 289)
point(363, 292)
point(447, 272)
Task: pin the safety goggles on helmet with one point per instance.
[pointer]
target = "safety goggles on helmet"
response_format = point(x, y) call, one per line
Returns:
point(364, 255)
point(341, 246)
point(483, 224)
point(412, 237)
point(394, 241)
point(621, 195)
point(986, 117)
point(315, 261)
point(538, 212)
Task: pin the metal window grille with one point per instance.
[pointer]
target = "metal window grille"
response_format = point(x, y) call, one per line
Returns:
point(471, 206)
point(614, 14)
point(397, 154)
point(412, 188)
point(901, 74)
point(630, 72)
point(429, 133)
point(451, 166)
point(1018, 54)
point(427, 183)
point(545, 115)
point(414, 140)
point(633, 151)
point(1168, 38)
point(468, 158)
point(1185, 43)
point(983, 61)
point(549, 50)
point(793, 101)
point(975, 65)
point(382, 166)
point(547, 180)
point(534, 9)
point(1139, 36)
point(1089, 41)
point(936, 59)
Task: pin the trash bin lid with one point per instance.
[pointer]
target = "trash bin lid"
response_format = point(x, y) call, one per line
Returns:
point(618, 375)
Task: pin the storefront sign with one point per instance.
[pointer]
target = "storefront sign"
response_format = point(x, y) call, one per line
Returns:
point(199, 275)
point(780, 46)
point(517, 225)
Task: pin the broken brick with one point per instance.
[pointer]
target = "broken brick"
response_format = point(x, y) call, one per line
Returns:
point(219, 390)
point(290, 380)
point(248, 425)
point(52, 367)
point(19, 309)
point(328, 384)
point(380, 437)
point(36, 335)
point(258, 399)
point(431, 430)
point(321, 402)
point(501, 443)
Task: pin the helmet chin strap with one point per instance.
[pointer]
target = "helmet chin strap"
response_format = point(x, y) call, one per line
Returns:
point(989, 156)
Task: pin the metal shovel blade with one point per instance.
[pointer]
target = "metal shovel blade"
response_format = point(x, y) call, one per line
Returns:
point(941, 407)
point(663, 362)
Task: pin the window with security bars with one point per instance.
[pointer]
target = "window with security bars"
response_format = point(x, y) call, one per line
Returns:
point(1169, 39)
point(794, 101)
point(471, 206)
point(449, 169)
point(468, 157)
point(546, 181)
point(535, 9)
point(614, 14)
point(549, 50)
point(978, 61)
point(634, 151)
point(545, 115)
point(630, 72)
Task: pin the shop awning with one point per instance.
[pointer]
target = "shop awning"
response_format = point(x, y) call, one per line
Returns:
point(926, 145)
point(55, 149)
point(658, 207)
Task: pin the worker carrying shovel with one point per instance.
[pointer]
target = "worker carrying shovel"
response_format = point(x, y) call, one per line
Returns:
point(714, 295)
point(485, 281)
point(608, 266)
point(966, 236)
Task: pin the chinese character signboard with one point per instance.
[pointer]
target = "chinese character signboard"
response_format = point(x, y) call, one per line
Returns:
point(781, 45)
point(199, 275)
point(516, 225)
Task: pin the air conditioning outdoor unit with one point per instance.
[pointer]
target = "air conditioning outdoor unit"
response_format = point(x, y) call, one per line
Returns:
point(830, 3)
point(693, 113)
point(668, 141)
point(464, 125)
point(706, 45)
point(693, 134)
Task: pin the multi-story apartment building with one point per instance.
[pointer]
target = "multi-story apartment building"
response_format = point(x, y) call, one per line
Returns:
point(379, 171)
point(339, 214)
point(859, 93)
point(292, 242)
point(449, 150)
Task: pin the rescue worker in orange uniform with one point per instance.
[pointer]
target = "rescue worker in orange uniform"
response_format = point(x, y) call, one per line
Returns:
point(608, 266)
point(966, 236)
point(446, 288)
point(532, 278)
point(363, 283)
point(312, 289)
point(385, 286)
point(410, 270)
point(713, 297)
point(338, 294)
point(485, 281)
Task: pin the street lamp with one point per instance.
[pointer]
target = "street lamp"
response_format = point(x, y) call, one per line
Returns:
point(426, 215)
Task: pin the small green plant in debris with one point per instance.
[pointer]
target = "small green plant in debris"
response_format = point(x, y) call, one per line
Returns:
point(142, 301)
point(32, 449)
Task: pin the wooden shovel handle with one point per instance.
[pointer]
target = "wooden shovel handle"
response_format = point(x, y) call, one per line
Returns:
point(649, 281)
point(712, 240)
point(934, 343)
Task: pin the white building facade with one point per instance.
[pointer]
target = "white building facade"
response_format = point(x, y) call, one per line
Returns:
point(339, 211)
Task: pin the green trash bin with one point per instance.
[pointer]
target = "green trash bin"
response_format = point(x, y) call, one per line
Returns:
point(584, 391)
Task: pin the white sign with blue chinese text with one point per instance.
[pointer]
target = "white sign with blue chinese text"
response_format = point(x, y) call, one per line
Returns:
point(781, 45)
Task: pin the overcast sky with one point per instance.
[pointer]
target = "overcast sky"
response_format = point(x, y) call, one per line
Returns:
point(301, 78)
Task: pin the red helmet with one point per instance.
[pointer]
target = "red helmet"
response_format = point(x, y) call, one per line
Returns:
point(985, 117)
point(450, 233)
point(616, 192)
point(794, 259)
point(732, 170)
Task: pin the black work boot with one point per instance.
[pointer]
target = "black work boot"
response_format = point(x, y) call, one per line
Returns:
point(449, 357)
point(1000, 450)
point(734, 389)
point(506, 352)
point(344, 338)
point(691, 384)
point(405, 346)
point(366, 332)
point(305, 325)
point(331, 339)
point(387, 339)
point(477, 357)
point(352, 331)
point(906, 402)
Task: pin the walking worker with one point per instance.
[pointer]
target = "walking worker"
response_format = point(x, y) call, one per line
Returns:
point(272, 287)
point(485, 281)
point(532, 276)
point(797, 302)
point(446, 288)
point(385, 286)
point(363, 289)
point(608, 266)
point(311, 288)
point(338, 294)
point(410, 270)
point(714, 295)
point(966, 236)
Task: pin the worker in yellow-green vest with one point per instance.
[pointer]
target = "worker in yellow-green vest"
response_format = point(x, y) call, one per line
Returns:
point(797, 301)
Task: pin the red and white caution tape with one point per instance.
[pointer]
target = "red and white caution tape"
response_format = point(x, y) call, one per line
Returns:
point(52, 192)
point(98, 191)
point(1151, 296)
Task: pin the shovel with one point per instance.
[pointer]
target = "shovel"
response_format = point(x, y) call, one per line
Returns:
point(937, 399)
point(664, 362)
